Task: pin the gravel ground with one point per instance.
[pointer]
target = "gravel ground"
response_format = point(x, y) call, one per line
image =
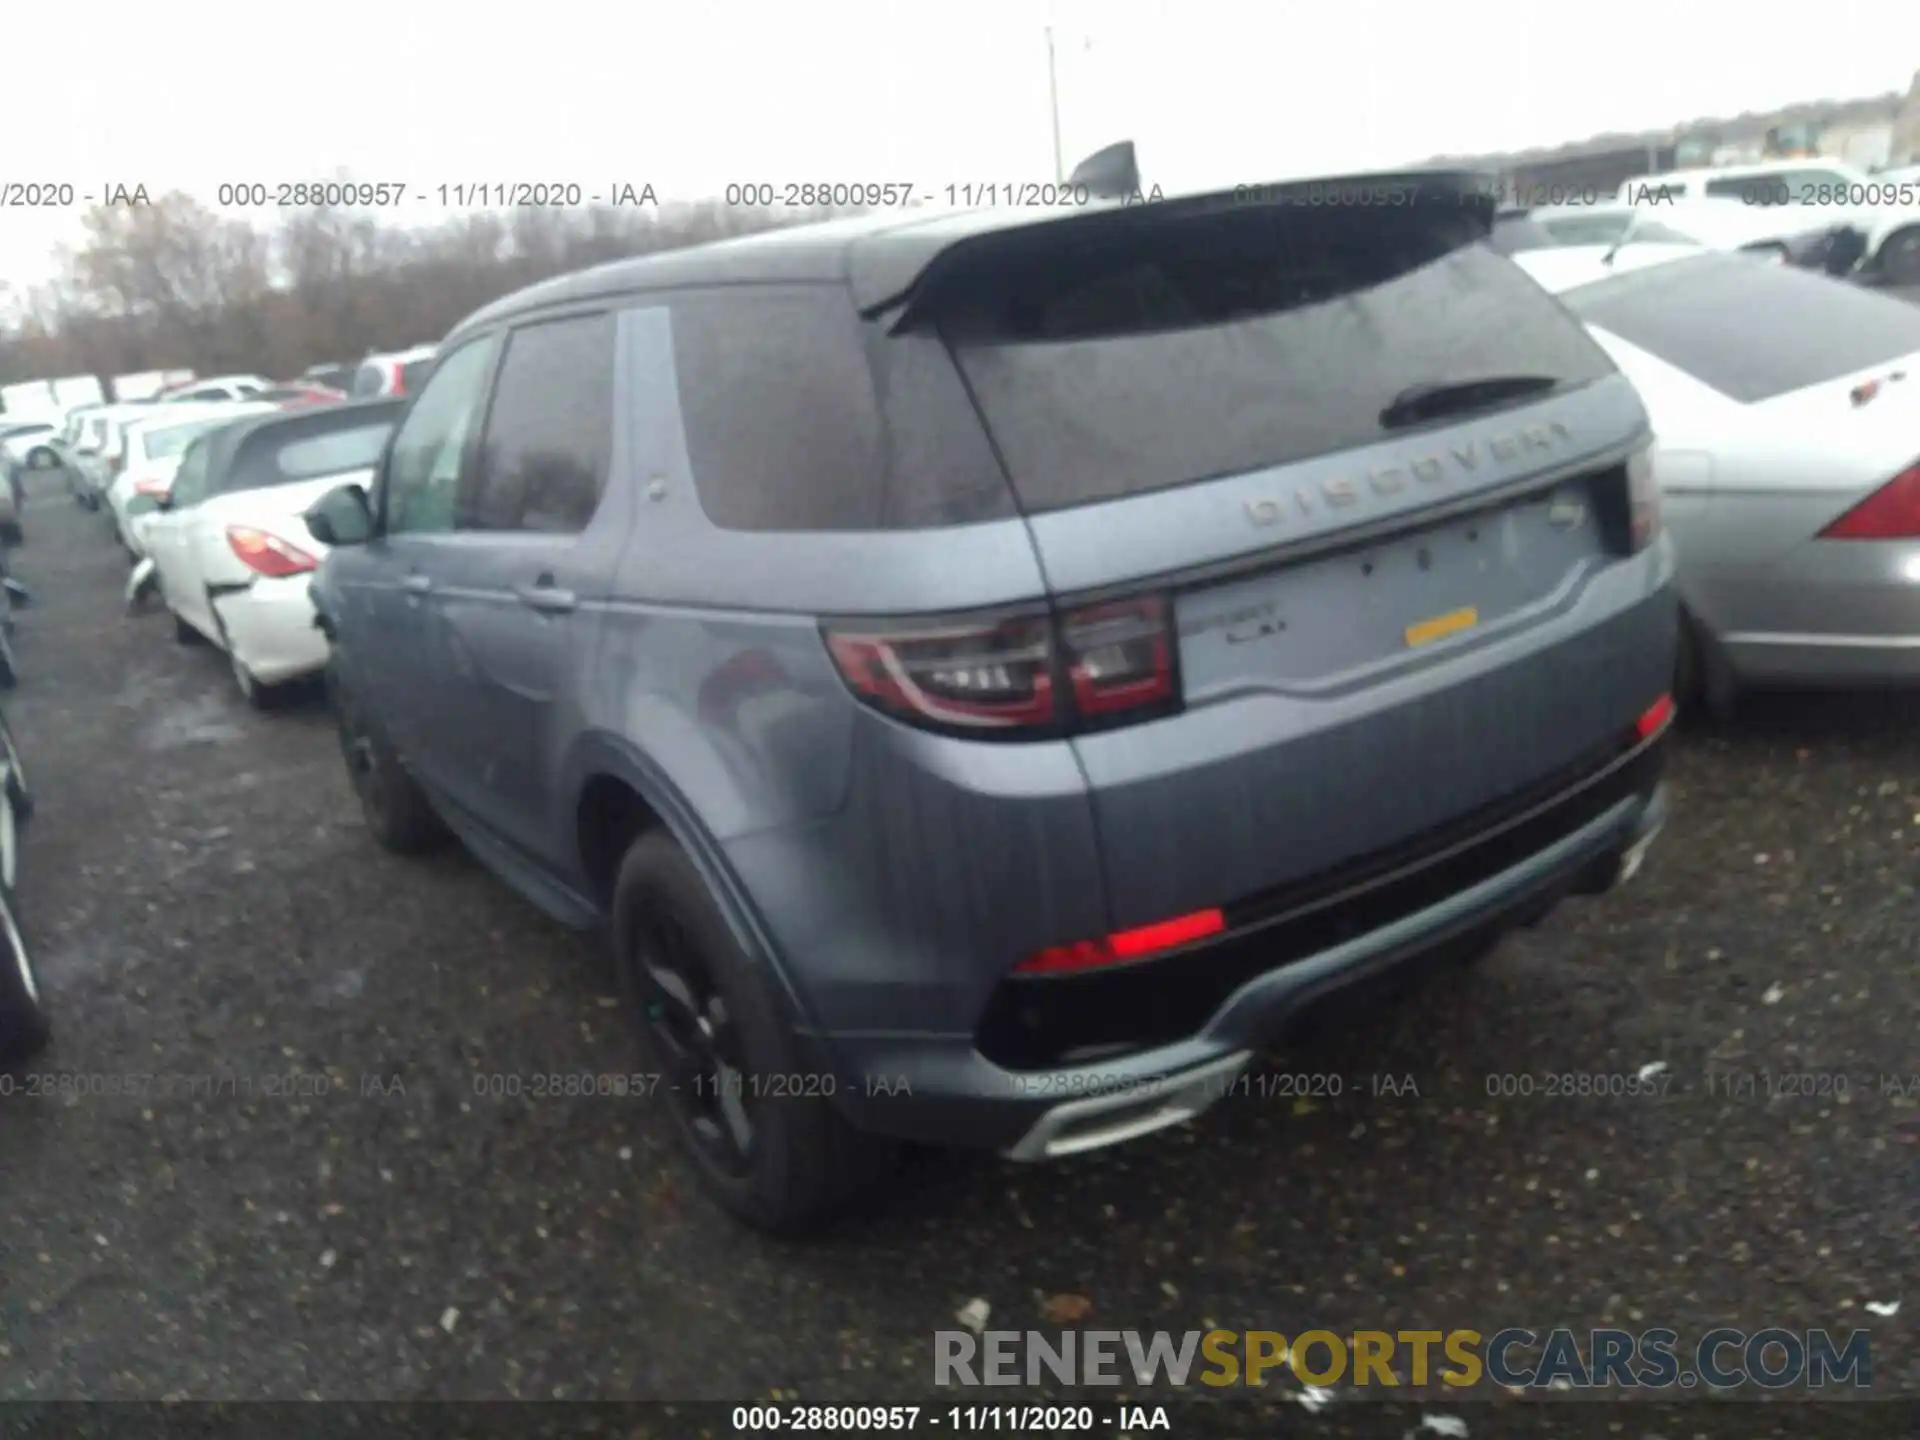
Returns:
point(206, 903)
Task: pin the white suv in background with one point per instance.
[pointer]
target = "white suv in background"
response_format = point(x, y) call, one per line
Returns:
point(1883, 210)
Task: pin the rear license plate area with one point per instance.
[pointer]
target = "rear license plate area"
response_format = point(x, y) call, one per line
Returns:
point(1321, 620)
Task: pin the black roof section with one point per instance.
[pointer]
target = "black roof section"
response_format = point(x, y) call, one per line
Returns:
point(881, 256)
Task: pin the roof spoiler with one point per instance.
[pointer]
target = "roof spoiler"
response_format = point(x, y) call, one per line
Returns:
point(911, 281)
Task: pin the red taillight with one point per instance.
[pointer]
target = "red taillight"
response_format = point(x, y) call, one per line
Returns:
point(268, 555)
point(1890, 513)
point(991, 676)
point(155, 488)
point(1016, 676)
point(1124, 945)
point(1655, 717)
point(1119, 656)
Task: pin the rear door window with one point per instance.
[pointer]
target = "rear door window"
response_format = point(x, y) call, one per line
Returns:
point(549, 433)
point(1749, 331)
point(1163, 352)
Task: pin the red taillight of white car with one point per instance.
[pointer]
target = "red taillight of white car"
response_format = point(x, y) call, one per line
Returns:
point(1026, 675)
point(152, 489)
point(269, 555)
point(1890, 513)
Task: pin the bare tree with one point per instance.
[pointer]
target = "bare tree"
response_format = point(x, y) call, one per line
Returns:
point(176, 284)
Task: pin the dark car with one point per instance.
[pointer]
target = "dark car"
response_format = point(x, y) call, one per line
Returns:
point(24, 1025)
point(987, 672)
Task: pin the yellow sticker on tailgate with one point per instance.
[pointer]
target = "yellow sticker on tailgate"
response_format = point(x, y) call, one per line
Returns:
point(1441, 626)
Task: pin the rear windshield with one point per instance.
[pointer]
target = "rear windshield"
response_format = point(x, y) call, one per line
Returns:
point(165, 444)
point(1750, 331)
point(1157, 354)
point(264, 461)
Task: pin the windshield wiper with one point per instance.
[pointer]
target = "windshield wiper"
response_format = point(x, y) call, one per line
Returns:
point(1419, 403)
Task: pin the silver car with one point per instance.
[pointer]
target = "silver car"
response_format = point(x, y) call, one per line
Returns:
point(1787, 407)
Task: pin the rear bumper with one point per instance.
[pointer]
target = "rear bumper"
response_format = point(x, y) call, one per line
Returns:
point(945, 1090)
point(269, 628)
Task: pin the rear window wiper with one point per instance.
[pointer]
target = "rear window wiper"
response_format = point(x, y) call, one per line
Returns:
point(1434, 400)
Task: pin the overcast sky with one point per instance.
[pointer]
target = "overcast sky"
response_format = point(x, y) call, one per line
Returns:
point(690, 96)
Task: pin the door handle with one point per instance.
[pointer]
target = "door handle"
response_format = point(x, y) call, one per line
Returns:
point(544, 597)
point(416, 584)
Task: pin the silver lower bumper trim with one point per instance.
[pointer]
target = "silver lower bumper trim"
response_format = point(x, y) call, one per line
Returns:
point(1127, 1111)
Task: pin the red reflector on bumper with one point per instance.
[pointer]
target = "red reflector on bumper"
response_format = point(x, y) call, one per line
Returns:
point(1656, 717)
point(1124, 944)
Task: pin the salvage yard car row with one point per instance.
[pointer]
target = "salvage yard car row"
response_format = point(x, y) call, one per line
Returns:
point(983, 665)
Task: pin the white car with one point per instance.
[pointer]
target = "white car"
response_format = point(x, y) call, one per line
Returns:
point(401, 373)
point(28, 443)
point(1718, 224)
point(101, 445)
point(1883, 211)
point(154, 444)
point(1786, 407)
point(233, 556)
point(218, 387)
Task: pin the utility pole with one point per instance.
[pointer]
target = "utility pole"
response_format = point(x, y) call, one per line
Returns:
point(1053, 104)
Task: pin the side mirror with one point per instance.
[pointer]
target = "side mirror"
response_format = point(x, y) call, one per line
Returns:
point(342, 516)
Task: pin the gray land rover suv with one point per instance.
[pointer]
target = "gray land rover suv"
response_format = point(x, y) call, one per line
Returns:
point(985, 671)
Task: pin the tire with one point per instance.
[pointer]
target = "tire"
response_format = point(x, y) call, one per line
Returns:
point(185, 634)
point(1900, 257)
point(17, 791)
point(396, 809)
point(24, 1025)
point(802, 1164)
point(1700, 686)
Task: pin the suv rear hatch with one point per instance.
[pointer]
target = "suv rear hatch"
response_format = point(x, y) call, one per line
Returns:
point(1358, 465)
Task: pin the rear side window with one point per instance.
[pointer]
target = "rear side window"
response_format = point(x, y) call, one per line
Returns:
point(332, 454)
point(801, 416)
point(1513, 234)
point(268, 458)
point(546, 447)
point(1588, 229)
point(1167, 350)
point(1750, 331)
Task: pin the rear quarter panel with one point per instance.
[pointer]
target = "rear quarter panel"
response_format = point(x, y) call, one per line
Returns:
point(885, 862)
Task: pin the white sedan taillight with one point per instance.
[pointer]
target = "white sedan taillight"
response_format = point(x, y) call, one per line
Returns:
point(267, 554)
